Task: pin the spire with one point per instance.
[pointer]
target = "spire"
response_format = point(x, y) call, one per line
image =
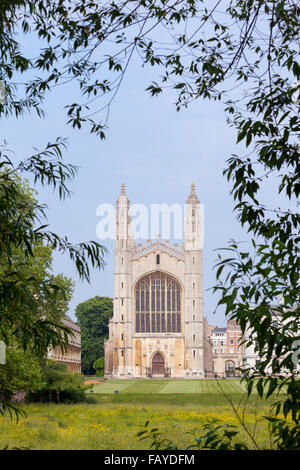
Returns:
point(193, 199)
point(122, 215)
point(122, 194)
point(123, 190)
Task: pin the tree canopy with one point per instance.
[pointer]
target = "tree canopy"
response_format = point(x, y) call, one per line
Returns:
point(93, 316)
point(32, 298)
point(33, 302)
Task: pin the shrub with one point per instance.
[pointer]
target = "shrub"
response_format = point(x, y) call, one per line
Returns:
point(61, 386)
point(99, 366)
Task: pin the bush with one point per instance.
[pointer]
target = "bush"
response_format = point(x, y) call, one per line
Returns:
point(21, 374)
point(61, 386)
point(99, 366)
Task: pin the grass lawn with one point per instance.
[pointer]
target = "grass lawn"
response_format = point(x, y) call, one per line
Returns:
point(177, 408)
point(169, 386)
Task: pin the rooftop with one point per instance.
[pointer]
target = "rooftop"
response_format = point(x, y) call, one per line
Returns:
point(219, 330)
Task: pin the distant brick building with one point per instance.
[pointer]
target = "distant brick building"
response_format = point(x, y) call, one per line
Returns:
point(227, 350)
point(72, 357)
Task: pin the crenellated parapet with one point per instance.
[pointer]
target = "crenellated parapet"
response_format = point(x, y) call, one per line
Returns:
point(153, 245)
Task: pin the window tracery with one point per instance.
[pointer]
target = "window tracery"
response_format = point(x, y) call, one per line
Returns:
point(158, 304)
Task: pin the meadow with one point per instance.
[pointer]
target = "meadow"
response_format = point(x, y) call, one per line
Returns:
point(177, 408)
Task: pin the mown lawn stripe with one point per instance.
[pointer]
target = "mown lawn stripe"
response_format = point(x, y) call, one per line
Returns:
point(197, 386)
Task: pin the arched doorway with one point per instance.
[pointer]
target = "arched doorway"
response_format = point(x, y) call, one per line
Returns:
point(229, 368)
point(158, 365)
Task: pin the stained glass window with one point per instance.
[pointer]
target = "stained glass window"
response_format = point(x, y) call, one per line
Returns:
point(153, 294)
point(142, 323)
point(173, 300)
point(158, 322)
point(162, 300)
point(173, 322)
point(169, 322)
point(153, 323)
point(169, 300)
point(153, 301)
point(147, 322)
point(178, 300)
point(142, 301)
point(163, 322)
point(178, 322)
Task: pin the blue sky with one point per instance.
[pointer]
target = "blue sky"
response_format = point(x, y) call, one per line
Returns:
point(156, 151)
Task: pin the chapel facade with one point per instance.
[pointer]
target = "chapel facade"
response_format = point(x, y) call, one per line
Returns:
point(158, 328)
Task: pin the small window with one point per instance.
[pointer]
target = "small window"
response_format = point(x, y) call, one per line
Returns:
point(122, 337)
point(157, 259)
point(122, 285)
point(122, 353)
point(122, 301)
point(194, 353)
point(194, 337)
point(122, 260)
point(122, 317)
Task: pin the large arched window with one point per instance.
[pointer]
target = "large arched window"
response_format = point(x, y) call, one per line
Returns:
point(158, 304)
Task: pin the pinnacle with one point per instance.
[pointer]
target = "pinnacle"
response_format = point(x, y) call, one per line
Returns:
point(193, 196)
point(123, 189)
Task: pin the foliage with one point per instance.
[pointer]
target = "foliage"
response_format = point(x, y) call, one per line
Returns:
point(21, 373)
point(61, 386)
point(22, 291)
point(23, 220)
point(99, 366)
point(47, 299)
point(201, 49)
point(32, 299)
point(217, 436)
point(286, 435)
point(50, 297)
point(93, 316)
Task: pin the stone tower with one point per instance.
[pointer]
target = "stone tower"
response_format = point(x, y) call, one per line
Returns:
point(193, 284)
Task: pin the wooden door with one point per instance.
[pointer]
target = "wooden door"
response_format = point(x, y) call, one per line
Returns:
point(158, 365)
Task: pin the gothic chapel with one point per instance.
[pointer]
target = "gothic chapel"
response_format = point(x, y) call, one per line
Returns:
point(158, 328)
